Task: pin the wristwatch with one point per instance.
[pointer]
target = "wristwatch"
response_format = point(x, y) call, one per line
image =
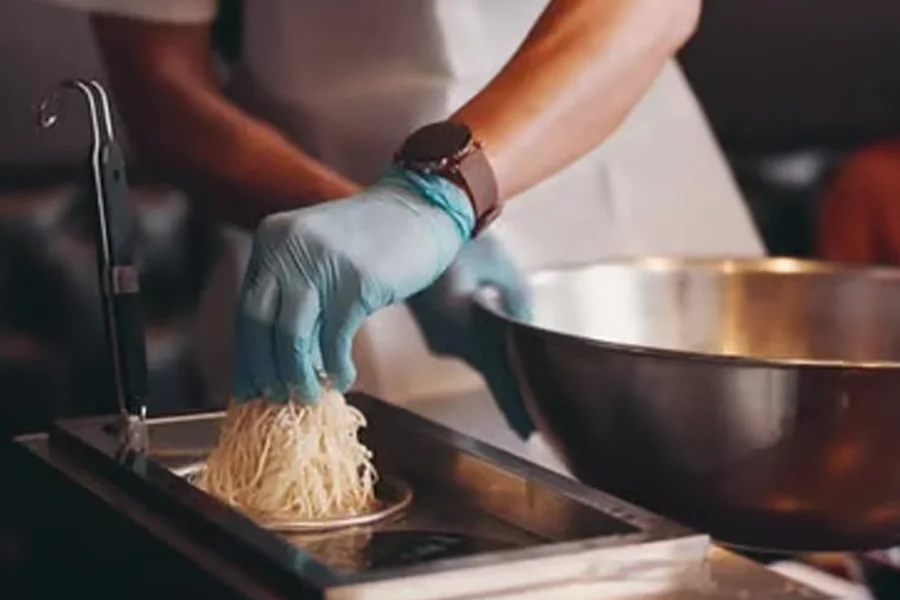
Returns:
point(450, 150)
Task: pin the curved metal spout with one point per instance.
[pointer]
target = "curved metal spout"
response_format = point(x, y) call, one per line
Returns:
point(97, 103)
point(99, 113)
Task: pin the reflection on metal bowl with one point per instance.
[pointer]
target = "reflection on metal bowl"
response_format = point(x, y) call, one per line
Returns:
point(758, 401)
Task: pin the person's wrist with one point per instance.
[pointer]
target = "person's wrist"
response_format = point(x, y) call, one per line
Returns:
point(438, 191)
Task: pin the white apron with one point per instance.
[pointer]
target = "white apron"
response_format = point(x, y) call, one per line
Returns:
point(349, 89)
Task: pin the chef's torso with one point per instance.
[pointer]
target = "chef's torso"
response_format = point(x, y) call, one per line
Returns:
point(348, 79)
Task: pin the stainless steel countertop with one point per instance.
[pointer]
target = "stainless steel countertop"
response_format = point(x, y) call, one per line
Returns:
point(724, 575)
point(474, 413)
point(728, 574)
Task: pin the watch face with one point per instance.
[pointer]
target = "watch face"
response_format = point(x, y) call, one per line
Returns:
point(436, 142)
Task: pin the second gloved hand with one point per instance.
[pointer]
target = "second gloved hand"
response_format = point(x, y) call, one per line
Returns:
point(316, 273)
point(449, 320)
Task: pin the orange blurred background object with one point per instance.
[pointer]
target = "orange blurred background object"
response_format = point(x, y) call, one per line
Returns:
point(859, 218)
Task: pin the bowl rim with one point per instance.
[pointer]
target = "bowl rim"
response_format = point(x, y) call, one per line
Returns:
point(773, 265)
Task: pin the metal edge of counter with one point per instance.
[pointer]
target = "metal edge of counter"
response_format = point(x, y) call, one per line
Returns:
point(32, 457)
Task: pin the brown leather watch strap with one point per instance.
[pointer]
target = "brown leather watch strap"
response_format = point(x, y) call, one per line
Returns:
point(449, 150)
point(481, 185)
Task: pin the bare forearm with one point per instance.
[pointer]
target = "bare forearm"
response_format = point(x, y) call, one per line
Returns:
point(238, 168)
point(582, 68)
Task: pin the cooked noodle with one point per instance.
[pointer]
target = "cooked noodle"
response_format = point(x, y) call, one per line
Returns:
point(283, 462)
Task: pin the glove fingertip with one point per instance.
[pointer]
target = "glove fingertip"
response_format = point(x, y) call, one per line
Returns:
point(516, 304)
point(308, 392)
point(337, 344)
point(509, 401)
point(240, 390)
point(516, 415)
point(519, 421)
point(277, 393)
point(344, 378)
point(241, 396)
point(522, 424)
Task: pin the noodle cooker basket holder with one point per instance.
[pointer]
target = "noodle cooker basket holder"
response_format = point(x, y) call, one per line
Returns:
point(119, 280)
point(482, 524)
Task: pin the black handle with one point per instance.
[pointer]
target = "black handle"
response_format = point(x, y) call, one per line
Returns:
point(117, 216)
point(129, 350)
point(119, 279)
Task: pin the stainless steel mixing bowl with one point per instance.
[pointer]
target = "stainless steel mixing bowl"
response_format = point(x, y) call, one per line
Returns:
point(758, 401)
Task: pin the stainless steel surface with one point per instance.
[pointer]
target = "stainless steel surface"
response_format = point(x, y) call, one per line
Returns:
point(723, 576)
point(662, 571)
point(755, 400)
point(481, 521)
point(449, 467)
point(392, 496)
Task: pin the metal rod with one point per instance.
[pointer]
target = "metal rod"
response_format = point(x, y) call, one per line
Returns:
point(107, 110)
point(118, 277)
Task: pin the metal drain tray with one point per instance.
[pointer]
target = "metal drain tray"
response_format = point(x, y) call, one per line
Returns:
point(483, 523)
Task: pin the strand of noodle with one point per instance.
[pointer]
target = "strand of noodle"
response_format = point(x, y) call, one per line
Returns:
point(292, 462)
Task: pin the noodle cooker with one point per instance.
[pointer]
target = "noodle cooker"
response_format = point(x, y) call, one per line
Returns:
point(482, 523)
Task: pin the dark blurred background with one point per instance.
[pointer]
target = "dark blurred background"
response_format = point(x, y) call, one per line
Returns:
point(52, 361)
point(790, 86)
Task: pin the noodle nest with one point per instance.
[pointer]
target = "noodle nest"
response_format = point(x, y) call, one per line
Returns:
point(289, 462)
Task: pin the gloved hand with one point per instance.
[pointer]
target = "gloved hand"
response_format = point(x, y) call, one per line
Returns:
point(316, 273)
point(451, 324)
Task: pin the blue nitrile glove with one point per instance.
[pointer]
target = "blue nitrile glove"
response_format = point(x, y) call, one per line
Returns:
point(452, 326)
point(316, 273)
